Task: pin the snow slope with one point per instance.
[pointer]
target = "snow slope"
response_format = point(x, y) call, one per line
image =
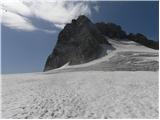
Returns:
point(98, 89)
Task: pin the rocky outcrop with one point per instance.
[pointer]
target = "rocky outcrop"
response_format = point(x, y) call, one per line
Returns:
point(79, 42)
point(140, 38)
point(111, 30)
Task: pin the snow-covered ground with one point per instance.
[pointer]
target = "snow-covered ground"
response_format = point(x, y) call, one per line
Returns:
point(91, 90)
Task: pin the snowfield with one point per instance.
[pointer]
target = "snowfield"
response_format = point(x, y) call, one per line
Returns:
point(122, 84)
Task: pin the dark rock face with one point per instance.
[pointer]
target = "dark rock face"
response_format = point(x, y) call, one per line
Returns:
point(140, 38)
point(111, 30)
point(79, 42)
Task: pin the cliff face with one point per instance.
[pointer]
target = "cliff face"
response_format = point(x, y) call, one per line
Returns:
point(79, 42)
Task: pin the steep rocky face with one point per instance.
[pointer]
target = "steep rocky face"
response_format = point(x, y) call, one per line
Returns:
point(79, 42)
point(140, 38)
point(111, 30)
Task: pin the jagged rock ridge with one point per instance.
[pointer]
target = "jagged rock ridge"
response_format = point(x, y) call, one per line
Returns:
point(140, 38)
point(115, 31)
point(79, 42)
point(111, 30)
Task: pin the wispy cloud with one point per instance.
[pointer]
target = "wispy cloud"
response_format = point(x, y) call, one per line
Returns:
point(18, 14)
point(96, 8)
point(16, 21)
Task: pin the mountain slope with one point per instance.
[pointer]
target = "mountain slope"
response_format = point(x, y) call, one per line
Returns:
point(81, 42)
point(122, 55)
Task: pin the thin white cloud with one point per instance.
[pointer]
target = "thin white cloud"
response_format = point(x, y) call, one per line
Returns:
point(15, 21)
point(18, 14)
point(48, 31)
point(17, 7)
point(96, 7)
point(61, 26)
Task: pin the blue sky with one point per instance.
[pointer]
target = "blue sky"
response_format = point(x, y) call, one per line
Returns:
point(30, 30)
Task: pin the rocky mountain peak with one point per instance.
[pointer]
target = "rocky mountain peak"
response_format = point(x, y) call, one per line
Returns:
point(79, 42)
point(83, 19)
